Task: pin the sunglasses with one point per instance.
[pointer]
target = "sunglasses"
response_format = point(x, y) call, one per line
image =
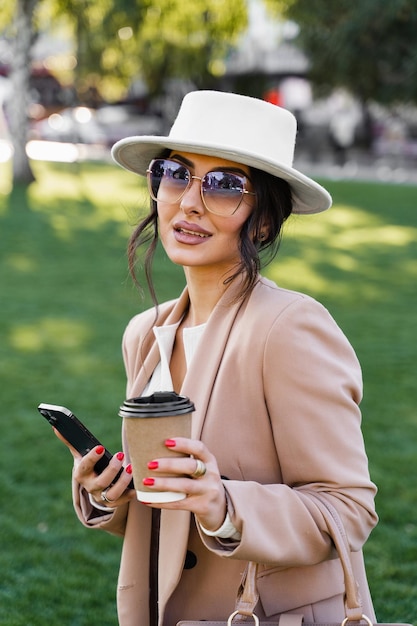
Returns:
point(222, 191)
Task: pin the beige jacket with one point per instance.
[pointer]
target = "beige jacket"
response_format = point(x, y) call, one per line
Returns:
point(276, 387)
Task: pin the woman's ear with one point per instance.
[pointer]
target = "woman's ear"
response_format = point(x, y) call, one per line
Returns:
point(259, 231)
point(262, 234)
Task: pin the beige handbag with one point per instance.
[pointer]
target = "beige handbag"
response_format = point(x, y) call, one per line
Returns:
point(248, 595)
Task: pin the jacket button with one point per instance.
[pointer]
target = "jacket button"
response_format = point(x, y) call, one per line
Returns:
point(190, 560)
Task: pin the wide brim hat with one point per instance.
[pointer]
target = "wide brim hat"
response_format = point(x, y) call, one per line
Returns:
point(238, 128)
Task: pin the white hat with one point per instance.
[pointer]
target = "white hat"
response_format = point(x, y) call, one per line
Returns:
point(238, 128)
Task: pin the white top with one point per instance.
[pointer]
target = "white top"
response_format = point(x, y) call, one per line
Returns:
point(165, 336)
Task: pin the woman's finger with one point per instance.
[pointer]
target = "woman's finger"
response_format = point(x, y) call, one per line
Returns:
point(73, 451)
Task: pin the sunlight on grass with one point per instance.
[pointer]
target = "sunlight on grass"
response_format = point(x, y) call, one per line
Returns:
point(293, 271)
point(49, 333)
point(346, 226)
point(21, 263)
point(313, 249)
point(87, 198)
point(389, 235)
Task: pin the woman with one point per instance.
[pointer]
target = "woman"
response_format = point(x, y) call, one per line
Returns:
point(275, 383)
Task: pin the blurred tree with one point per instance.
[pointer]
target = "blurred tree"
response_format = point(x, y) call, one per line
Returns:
point(117, 41)
point(98, 29)
point(24, 35)
point(188, 40)
point(369, 47)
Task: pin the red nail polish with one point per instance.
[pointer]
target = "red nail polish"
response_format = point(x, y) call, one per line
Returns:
point(153, 465)
point(170, 443)
point(148, 482)
point(100, 449)
point(129, 468)
point(120, 456)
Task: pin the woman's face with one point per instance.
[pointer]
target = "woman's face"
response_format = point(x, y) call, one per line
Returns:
point(191, 235)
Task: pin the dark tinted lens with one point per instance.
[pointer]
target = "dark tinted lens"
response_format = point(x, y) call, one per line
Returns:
point(167, 180)
point(223, 191)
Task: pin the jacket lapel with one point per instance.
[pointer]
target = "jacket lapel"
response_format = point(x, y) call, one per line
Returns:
point(199, 380)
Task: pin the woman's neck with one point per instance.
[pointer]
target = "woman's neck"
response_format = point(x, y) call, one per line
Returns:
point(204, 291)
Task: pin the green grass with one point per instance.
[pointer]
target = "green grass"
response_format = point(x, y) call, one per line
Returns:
point(65, 300)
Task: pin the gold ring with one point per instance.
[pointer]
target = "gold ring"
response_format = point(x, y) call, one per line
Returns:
point(104, 497)
point(200, 469)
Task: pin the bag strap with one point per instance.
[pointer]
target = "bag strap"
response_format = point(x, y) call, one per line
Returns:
point(336, 530)
point(248, 595)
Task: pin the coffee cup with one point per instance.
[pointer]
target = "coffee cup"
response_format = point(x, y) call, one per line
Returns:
point(148, 422)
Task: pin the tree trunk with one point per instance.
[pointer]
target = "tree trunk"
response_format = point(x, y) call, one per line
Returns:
point(19, 103)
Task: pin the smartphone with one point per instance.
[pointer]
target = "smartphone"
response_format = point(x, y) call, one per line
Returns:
point(76, 434)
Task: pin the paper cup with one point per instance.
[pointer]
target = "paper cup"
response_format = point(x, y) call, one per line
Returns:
point(148, 421)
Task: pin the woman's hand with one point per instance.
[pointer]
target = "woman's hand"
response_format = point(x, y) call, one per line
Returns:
point(101, 484)
point(206, 497)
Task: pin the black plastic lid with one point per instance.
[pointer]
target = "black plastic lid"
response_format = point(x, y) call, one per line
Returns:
point(160, 403)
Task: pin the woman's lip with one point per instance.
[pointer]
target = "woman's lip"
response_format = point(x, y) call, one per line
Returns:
point(191, 229)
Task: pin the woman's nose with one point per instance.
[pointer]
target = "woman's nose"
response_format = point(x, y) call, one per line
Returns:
point(192, 200)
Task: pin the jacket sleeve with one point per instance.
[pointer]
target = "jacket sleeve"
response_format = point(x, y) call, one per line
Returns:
point(113, 522)
point(312, 387)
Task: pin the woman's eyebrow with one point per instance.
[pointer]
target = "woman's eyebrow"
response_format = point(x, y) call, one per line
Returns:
point(184, 160)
